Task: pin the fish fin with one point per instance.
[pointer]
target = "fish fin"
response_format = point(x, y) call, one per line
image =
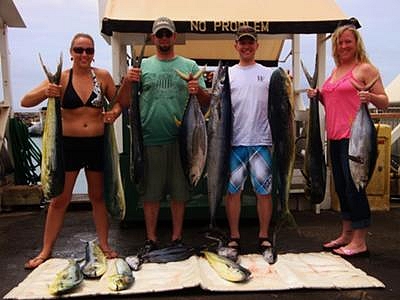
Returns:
point(199, 72)
point(182, 75)
point(367, 87)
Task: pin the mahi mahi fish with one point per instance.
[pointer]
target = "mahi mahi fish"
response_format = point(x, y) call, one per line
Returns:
point(114, 194)
point(219, 130)
point(363, 143)
point(120, 277)
point(67, 279)
point(193, 137)
point(281, 119)
point(314, 169)
point(95, 260)
point(226, 268)
point(52, 165)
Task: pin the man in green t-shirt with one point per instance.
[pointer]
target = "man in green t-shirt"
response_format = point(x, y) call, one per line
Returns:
point(162, 99)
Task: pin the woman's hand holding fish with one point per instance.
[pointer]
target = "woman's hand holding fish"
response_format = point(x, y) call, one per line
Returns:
point(311, 93)
point(110, 116)
point(52, 90)
point(365, 96)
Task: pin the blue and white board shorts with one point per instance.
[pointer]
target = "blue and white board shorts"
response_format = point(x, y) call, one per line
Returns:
point(254, 159)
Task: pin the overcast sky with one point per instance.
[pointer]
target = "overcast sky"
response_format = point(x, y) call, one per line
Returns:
point(50, 25)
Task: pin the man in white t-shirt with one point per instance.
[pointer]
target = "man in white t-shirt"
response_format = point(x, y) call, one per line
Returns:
point(251, 138)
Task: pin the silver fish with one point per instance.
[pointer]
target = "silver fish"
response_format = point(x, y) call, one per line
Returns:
point(193, 138)
point(52, 165)
point(164, 255)
point(67, 279)
point(314, 169)
point(219, 130)
point(134, 262)
point(226, 251)
point(363, 144)
point(136, 154)
point(95, 260)
point(121, 277)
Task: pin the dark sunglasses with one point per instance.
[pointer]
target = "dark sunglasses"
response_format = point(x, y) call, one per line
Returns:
point(79, 50)
point(161, 33)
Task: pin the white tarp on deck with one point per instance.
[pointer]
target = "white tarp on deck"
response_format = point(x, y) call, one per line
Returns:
point(292, 271)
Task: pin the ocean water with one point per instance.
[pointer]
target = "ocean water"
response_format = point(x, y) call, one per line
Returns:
point(80, 184)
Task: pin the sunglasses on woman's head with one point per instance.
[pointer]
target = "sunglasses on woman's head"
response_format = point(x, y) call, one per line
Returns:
point(161, 33)
point(80, 50)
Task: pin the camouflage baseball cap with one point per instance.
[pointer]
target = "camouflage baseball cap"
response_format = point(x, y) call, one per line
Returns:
point(246, 31)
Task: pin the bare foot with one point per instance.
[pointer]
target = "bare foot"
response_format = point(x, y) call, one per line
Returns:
point(109, 253)
point(335, 244)
point(35, 262)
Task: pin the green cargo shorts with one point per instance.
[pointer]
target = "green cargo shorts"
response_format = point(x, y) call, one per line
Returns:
point(163, 174)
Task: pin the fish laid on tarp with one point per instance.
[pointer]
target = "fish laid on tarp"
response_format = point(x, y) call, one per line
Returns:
point(363, 144)
point(220, 249)
point(114, 195)
point(226, 268)
point(52, 165)
point(167, 254)
point(193, 138)
point(67, 279)
point(314, 169)
point(120, 277)
point(281, 120)
point(219, 130)
point(95, 260)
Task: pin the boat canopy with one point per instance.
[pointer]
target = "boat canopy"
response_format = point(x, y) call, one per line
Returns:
point(206, 27)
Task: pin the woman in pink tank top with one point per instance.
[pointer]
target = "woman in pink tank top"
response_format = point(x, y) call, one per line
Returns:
point(342, 101)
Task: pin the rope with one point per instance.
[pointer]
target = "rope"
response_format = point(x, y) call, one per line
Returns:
point(26, 154)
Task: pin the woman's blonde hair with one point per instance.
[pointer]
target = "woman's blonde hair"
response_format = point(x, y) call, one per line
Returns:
point(361, 54)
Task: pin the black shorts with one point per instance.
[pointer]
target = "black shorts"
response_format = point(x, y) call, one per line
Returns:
point(84, 152)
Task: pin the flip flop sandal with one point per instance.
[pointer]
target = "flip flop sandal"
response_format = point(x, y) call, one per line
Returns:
point(35, 262)
point(333, 245)
point(234, 243)
point(264, 244)
point(349, 253)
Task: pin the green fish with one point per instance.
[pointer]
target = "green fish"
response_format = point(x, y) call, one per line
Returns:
point(121, 277)
point(281, 120)
point(114, 194)
point(67, 279)
point(226, 268)
point(95, 261)
point(52, 165)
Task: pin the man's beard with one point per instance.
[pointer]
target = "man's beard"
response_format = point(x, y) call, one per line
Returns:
point(164, 48)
